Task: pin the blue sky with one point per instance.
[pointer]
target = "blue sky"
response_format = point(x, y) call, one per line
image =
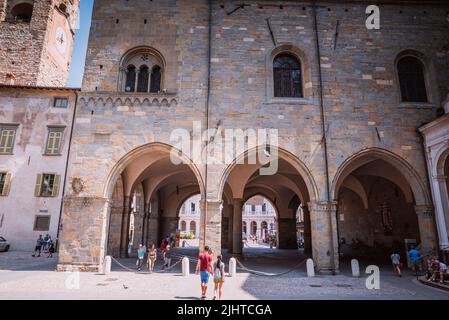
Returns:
point(80, 46)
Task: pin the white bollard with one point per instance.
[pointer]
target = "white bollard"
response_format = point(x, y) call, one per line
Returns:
point(232, 267)
point(107, 265)
point(185, 267)
point(355, 268)
point(310, 268)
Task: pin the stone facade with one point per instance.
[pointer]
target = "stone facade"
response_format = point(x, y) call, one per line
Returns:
point(350, 130)
point(31, 113)
point(36, 46)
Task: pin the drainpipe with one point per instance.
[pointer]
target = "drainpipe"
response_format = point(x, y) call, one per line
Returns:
point(66, 167)
point(323, 121)
point(209, 56)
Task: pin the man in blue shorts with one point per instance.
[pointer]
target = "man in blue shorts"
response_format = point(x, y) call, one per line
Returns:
point(204, 267)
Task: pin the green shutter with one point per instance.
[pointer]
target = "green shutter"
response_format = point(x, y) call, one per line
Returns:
point(55, 189)
point(37, 189)
point(7, 185)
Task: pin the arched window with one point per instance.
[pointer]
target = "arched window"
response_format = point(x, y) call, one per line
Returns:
point(130, 85)
point(156, 79)
point(142, 82)
point(193, 227)
point(183, 226)
point(287, 76)
point(253, 228)
point(411, 79)
point(145, 66)
point(244, 227)
point(22, 12)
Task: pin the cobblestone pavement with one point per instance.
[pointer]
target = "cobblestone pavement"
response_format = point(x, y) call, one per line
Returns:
point(24, 277)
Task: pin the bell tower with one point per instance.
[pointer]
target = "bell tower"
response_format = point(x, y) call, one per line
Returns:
point(36, 41)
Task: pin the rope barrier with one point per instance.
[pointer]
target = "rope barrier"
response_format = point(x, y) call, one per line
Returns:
point(265, 274)
point(133, 270)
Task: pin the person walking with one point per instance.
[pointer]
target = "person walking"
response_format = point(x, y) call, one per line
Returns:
point(166, 254)
point(38, 247)
point(140, 257)
point(219, 274)
point(415, 259)
point(204, 268)
point(50, 248)
point(396, 262)
point(152, 256)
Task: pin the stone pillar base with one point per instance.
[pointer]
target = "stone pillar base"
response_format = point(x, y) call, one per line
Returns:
point(77, 268)
point(324, 236)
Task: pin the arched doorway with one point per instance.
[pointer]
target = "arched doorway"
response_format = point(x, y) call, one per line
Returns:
point(285, 188)
point(161, 187)
point(258, 213)
point(190, 211)
point(382, 207)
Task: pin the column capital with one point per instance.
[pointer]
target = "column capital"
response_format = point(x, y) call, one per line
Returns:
point(323, 206)
point(424, 211)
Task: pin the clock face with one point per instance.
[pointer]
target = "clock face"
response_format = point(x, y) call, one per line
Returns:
point(61, 40)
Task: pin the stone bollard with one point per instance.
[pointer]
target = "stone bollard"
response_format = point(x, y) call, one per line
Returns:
point(232, 267)
point(107, 265)
point(310, 268)
point(355, 268)
point(185, 267)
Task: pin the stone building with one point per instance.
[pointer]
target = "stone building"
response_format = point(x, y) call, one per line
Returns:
point(35, 132)
point(259, 217)
point(36, 116)
point(36, 41)
point(346, 101)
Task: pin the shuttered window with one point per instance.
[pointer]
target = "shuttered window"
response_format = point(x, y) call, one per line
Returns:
point(47, 185)
point(60, 103)
point(42, 223)
point(5, 183)
point(54, 141)
point(7, 136)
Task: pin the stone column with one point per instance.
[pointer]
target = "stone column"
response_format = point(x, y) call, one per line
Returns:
point(427, 230)
point(324, 236)
point(82, 241)
point(287, 233)
point(124, 238)
point(307, 233)
point(237, 227)
point(441, 201)
point(230, 227)
point(213, 225)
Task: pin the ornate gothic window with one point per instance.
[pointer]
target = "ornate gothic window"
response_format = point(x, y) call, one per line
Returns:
point(411, 79)
point(287, 76)
point(141, 71)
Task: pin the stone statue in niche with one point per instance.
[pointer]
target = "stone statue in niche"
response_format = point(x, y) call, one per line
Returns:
point(387, 220)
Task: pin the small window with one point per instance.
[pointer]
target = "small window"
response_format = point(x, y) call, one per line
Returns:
point(287, 76)
point(143, 79)
point(60, 103)
point(130, 79)
point(156, 77)
point(192, 205)
point(54, 141)
point(42, 223)
point(47, 185)
point(7, 137)
point(411, 79)
point(22, 12)
point(5, 183)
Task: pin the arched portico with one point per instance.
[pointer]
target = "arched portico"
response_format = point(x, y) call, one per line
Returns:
point(148, 171)
point(381, 202)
